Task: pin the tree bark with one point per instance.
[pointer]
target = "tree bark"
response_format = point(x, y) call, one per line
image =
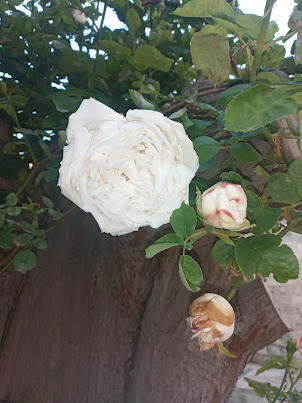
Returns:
point(98, 322)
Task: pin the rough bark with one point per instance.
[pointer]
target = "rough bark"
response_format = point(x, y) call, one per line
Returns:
point(97, 322)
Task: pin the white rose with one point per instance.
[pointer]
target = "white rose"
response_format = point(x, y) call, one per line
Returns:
point(79, 16)
point(211, 319)
point(224, 206)
point(127, 171)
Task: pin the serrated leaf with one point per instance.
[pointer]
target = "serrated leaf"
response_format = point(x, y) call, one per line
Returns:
point(244, 152)
point(266, 220)
point(250, 24)
point(210, 53)
point(40, 243)
point(198, 129)
point(276, 362)
point(190, 273)
point(222, 254)
point(183, 220)
point(166, 242)
point(11, 200)
point(283, 188)
point(148, 56)
point(204, 8)
point(206, 148)
point(24, 260)
point(262, 255)
point(295, 171)
point(226, 96)
point(257, 107)
point(254, 204)
point(23, 239)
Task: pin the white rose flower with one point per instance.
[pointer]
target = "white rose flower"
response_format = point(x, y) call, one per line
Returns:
point(127, 172)
point(211, 319)
point(224, 206)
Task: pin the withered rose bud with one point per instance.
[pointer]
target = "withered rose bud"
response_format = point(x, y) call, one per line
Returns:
point(211, 319)
point(224, 206)
point(79, 16)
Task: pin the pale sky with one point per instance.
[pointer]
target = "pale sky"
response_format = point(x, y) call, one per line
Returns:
point(281, 12)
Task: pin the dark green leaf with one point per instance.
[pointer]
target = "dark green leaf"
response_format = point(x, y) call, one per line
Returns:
point(257, 107)
point(23, 239)
point(198, 129)
point(6, 239)
point(13, 211)
point(206, 148)
point(2, 217)
point(262, 255)
point(183, 220)
point(28, 227)
point(45, 148)
point(244, 152)
point(222, 254)
point(254, 204)
point(48, 202)
point(276, 362)
point(112, 47)
point(226, 96)
point(24, 260)
point(261, 172)
point(148, 56)
point(266, 220)
point(11, 200)
point(40, 243)
point(64, 103)
point(283, 188)
point(295, 170)
point(263, 389)
point(190, 273)
point(166, 242)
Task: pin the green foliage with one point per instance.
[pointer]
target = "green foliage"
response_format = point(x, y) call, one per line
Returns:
point(222, 253)
point(244, 152)
point(24, 260)
point(262, 255)
point(283, 188)
point(190, 273)
point(166, 242)
point(206, 148)
point(183, 220)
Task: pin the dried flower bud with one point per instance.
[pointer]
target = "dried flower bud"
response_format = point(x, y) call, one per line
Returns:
point(211, 319)
point(79, 16)
point(224, 206)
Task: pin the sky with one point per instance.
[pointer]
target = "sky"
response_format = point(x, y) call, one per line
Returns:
point(281, 12)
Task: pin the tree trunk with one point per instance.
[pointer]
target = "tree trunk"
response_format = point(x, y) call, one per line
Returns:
point(98, 322)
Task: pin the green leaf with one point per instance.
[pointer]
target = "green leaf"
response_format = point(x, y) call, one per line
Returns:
point(62, 138)
point(262, 255)
point(48, 203)
point(244, 152)
point(198, 129)
point(148, 56)
point(264, 389)
point(11, 200)
point(276, 362)
point(183, 220)
point(45, 148)
point(23, 239)
point(206, 148)
point(24, 260)
point(13, 211)
point(140, 101)
point(6, 239)
point(210, 53)
point(257, 107)
point(254, 204)
point(204, 8)
point(206, 107)
point(222, 254)
point(261, 172)
point(133, 20)
point(283, 188)
point(190, 273)
point(267, 220)
point(2, 217)
point(112, 47)
point(226, 96)
point(250, 25)
point(295, 171)
point(40, 243)
point(225, 351)
point(64, 103)
point(166, 242)
point(28, 227)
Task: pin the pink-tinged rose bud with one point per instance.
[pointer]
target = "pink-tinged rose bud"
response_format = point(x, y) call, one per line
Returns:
point(211, 319)
point(79, 16)
point(299, 342)
point(224, 206)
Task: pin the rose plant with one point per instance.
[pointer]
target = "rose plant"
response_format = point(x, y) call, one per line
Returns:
point(59, 61)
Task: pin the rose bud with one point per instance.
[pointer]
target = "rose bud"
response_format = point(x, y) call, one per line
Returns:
point(299, 342)
point(224, 206)
point(79, 16)
point(127, 171)
point(211, 320)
